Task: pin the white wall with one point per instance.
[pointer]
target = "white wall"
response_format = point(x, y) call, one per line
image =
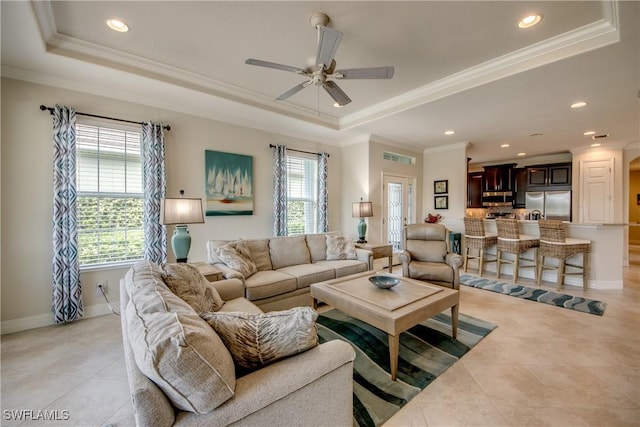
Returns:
point(355, 174)
point(26, 193)
point(446, 163)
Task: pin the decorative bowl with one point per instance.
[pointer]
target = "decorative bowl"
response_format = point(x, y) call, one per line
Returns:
point(384, 282)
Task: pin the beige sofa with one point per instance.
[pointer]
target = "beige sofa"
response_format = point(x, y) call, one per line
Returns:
point(287, 266)
point(311, 388)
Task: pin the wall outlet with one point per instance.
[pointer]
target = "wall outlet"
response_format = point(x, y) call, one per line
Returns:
point(105, 287)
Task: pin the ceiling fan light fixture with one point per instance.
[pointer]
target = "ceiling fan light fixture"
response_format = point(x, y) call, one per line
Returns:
point(117, 25)
point(530, 21)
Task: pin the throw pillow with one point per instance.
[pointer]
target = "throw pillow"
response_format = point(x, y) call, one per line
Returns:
point(340, 247)
point(236, 255)
point(258, 339)
point(188, 284)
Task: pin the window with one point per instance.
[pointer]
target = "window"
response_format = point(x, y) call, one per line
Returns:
point(302, 194)
point(109, 187)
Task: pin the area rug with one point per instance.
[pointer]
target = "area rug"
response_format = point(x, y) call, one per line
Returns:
point(585, 305)
point(426, 351)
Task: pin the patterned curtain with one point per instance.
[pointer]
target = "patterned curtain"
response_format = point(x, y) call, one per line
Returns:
point(323, 195)
point(67, 291)
point(153, 177)
point(280, 190)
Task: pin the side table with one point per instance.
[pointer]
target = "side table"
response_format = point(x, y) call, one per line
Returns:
point(380, 250)
point(210, 273)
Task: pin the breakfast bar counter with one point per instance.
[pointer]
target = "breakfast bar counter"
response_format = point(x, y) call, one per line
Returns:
point(607, 253)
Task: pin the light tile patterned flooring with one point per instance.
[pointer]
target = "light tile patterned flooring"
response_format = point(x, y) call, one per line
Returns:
point(542, 366)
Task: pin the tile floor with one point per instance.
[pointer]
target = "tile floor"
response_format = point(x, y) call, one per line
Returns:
point(543, 366)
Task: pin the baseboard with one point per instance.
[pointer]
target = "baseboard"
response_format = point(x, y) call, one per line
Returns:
point(41, 320)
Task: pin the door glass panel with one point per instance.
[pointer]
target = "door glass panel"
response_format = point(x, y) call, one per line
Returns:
point(395, 217)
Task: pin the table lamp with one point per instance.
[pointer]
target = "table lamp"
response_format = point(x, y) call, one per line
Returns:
point(181, 211)
point(362, 210)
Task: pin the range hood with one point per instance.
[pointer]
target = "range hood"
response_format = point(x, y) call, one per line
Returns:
point(497, 198)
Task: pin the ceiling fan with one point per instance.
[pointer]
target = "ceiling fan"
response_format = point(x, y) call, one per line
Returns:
point(324, 72)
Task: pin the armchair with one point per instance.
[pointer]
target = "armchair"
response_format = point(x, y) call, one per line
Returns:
point(426, 255)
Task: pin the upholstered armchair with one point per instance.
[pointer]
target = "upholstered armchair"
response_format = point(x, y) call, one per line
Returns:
point(426, 255)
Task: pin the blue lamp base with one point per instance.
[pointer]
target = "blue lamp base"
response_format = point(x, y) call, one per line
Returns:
point(181, 243)
point(362, 231)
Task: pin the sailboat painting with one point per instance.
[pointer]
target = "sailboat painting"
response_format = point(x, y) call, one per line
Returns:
point(229, 183)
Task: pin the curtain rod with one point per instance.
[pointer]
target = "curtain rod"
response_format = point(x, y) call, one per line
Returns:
point(44, 107)
point(299, 151)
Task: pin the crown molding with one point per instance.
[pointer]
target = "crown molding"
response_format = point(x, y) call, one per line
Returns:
point(449, 147)
point(580, 40)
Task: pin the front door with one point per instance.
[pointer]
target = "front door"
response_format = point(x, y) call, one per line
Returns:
point(398, 207)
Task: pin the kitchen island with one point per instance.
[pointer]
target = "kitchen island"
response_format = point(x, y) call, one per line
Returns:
point(607, 254)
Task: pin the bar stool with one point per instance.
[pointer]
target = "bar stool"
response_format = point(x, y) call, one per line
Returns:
point(511, 241)
point(554, 243)
point(476, 238)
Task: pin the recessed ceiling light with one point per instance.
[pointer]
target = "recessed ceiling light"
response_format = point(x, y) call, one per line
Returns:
point(589, 132)
point(529, 21)
point(449, 132)
point(117, 25)
point(578, 104)
point(522, 154)
point(596, 144)
point(504, 145)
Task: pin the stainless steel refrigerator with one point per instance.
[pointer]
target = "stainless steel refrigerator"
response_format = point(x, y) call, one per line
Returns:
point(552, 204)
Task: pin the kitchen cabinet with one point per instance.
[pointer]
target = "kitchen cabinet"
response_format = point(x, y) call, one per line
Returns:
point(498, 178)
point(520, 177)
point(553, 176)
point(475, 184)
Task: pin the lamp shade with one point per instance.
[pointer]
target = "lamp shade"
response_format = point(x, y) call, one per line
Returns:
point(361, 209)
point(181, 211)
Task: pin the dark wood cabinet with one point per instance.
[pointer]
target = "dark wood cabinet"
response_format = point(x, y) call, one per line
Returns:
point(498, 178)
point(519, 187)
point(475, 184)
point(556, 176)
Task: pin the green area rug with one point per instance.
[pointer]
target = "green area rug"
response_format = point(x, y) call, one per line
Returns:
point(426, 351)
point(585, 305)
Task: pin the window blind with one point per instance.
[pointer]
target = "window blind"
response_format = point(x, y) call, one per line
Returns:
point(302, 197)
point(109, 184)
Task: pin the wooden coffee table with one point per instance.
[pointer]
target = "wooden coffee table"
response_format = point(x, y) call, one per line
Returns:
point(391, 310)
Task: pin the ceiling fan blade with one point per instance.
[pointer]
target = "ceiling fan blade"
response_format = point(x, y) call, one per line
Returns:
point(366, 73)
point(293, 90)
point(336, 93)
point(328, 41)
point(267, 64)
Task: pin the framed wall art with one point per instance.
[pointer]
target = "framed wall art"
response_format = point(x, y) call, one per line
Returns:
point(228, 183)
point(441, 187)
point(441, 202)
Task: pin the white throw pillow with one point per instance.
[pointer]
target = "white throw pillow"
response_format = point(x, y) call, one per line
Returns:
point(340, 247)
point(258, 339)
point(236, 255)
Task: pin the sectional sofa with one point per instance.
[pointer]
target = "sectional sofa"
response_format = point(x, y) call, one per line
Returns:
point(181, 373)
point(286, 266)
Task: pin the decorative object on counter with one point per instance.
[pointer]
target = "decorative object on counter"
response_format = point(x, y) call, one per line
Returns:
point(362, 210)
point(441, 187)
point(181, 212)
point(420, 355)
point(476, 238)
point(432, 219)
point(571, 302)
point(441, 202)
point(554, 243)
point(228, 183)
point(511, 241)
